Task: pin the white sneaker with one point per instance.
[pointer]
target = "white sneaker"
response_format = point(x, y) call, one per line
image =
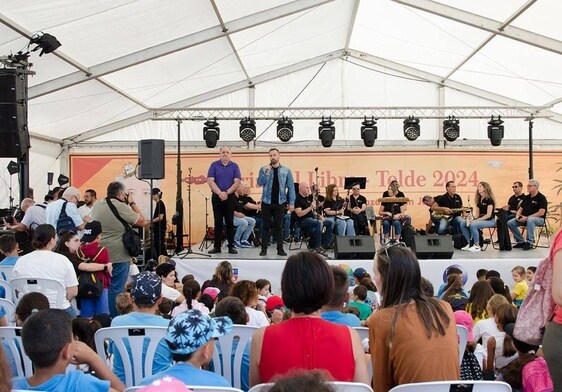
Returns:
point(474, 248)
point(467, 247)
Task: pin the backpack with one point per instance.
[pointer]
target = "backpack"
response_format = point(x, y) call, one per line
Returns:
point(470, 368)
point(89, 284)
point(65, 222)
point(459, 241)
point(408, 234)
point(538, 307)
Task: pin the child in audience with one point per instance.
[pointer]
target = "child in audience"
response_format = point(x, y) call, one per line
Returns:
point(123, 303)
point(492, 273)
point(486, 328)
point(500, 287)
point(165, 308)
point(191, 291)
point(481, 274)
point(275, 308)
point(9, 248)
point(500, 348)
point(454, 293)
point(480, 293)
point(264, 292)
point(332, 311)
point(359, 297)
point(84, 330)
point(452, 270)
point(247, 292)
point(52, 356)
point(470, 367)
point(530, 275)
point(520, 288)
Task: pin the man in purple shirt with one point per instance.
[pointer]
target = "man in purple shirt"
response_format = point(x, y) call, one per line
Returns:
point(223, 179)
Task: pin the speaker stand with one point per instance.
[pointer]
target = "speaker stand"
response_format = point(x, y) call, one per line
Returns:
point(207, 240)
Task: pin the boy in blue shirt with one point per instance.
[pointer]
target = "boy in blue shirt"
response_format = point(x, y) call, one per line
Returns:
point(47, 340)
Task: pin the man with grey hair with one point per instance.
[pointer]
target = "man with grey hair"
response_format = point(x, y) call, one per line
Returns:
point(112, 234)
point(531, 213)
point(34, 216)
point(69, 201)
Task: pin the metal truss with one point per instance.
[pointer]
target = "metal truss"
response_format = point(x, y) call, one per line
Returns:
point(348, 113)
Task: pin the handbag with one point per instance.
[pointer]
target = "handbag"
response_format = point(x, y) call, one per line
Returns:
point(538, 307)
point(131, 239)
point(90, 286)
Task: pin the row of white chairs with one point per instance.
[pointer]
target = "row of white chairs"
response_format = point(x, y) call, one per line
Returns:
point(17, 288)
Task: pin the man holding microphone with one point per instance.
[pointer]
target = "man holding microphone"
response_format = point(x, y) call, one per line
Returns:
point(278, 192)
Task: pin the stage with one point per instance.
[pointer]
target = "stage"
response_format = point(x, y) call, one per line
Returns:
point(249, 265)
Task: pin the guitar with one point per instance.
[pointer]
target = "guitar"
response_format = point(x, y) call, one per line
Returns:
point(454, 211)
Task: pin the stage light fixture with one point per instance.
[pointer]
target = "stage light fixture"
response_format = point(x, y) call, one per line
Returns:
point(211, 132)
point(451, 129)
point(63, 180)
point(13, 168)
point(46, 42)
point(247, 129)
point(495, 131)
point(284, 129)
point(369, 132)
point(412, 128)
point(327, 132)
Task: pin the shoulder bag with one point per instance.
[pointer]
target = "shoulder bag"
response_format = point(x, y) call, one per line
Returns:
point(131, 239)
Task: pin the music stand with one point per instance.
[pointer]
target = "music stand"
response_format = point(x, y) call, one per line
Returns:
point(351, 181)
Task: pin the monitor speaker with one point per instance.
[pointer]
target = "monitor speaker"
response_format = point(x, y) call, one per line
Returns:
point(354, 247)
point(14, 135)
point(433, 246)
point(151, 157)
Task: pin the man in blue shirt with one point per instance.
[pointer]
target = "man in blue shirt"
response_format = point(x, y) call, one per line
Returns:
point(191, 338)
point(278, 193)
point(333, 310)
point(223, 178)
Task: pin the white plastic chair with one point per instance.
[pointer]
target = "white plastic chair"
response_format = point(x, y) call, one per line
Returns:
point(454, 386)
point(8, 289)
point(339, 386)
point(462, 333)
point(135, 337)
point(195, 388)
point(48, 287)
point(228, 369)
point(6, 272)
point(10, 309)
point(11, 335)
point(364, 334)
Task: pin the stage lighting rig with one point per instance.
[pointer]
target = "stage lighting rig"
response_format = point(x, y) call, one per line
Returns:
point(369, 132)
point(284, 129)
point(247, 129)
point(412, 128)
point(327, 132)
point(495, 131)
point(46, 42)
point(211, 133)
point(451, 129)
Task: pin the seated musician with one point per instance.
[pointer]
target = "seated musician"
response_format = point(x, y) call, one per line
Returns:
point(432, 223)
point(448, 209)
point(485, 204)
point(356, 208)
point(392, 213)
point(531, 213)
point(515, 199)
point(310, 220)
point(398, 193)
point(242, 221)
point(334, 210)
point(251, 207)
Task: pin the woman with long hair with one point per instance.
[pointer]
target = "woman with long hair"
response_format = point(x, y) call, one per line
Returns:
point(167, 272)
point(407, 315)
point(500, 347)
point(480, 294)
point(222, 279)
point(247, 291)
point(306, 341)
point(191, 291)
point(485, 204)
point(392, 214)
point(334, 209)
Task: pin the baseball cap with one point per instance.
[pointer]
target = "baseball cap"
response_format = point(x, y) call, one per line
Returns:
point(274, 302)
point(190, 330)
point(359, 272)
point(212, 292)
point(146, 288)
point(465, 319)
point(91, 231)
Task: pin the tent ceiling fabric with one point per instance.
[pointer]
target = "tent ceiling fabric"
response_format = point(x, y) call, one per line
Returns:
point(121, 58)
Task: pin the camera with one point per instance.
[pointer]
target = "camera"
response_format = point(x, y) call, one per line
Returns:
point(9, 219)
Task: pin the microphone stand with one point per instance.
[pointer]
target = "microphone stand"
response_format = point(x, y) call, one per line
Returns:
point(205, 244)
point(188, 250)
point(315, 194)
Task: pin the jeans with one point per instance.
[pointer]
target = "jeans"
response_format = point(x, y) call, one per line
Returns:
point(396, 223)
point(444, 224)
point(119, 277)
point(288, 221)
point(343, 226)
point(472, 230)
point(89, 307)
point(244, 227)
point(223, 210)
point(71, 311)
point(314, 228)
point(531, 223)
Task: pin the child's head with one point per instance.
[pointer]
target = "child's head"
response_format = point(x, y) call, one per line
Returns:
point(234, 309)
point(84, 330)
point(481, 274)
point(518, 273)
point(341, 280)
point(8, 245)
point(165, 307)
point(92, 232)
point(263, 286)
point(187, 277)
point(191, 290)
point(492, 273)
point(359, 274)
point(500, 287)
point(123, 303)
point(28, 304)
point(480, 293)
point(246, 291)
point(360, 293)
point(505, 314)
point(56, 325)
point(494, 302)
point(530, 274)
point(208, 301)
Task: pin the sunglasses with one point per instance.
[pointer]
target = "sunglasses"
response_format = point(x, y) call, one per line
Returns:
point(391, 245)
point(356, 189)
point(515, 186)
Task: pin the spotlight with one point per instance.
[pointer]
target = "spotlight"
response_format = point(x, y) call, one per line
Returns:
point(247, 129)
point(495, 131)
point(63, 180)
point(411, 128)
point(13, 168)
point(211, 133)
point(369, 132)
point(451, 129)
point(284, 129)
point(326, 132)
point(46, 42)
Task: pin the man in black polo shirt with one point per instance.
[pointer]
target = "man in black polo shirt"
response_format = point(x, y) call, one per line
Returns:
point(357, 206)
point(444, 205)
point(311, 221)
point(531, 213)
point(514, 201)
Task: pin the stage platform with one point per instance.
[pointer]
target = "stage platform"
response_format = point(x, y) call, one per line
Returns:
point(249, 265)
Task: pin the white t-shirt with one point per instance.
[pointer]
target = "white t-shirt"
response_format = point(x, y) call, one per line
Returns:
point(170, 292)
point(84, 210)
point(485, 329)
point(48, 265)
point(256, 318)
point(34, 216)
point(54, 208)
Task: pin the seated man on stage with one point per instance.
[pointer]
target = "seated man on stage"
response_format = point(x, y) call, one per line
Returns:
point(432, 223)
point(311, 221)
point(251, 208)
point(356, 207)
point(392, 214)
point(514, 201)
point(244, 224)
point(531, 213)
point(334, 209)
point(448, 209)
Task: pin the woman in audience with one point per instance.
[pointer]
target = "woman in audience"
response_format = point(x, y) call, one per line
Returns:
point(191, 291)
point(248, 293)
point(480, 294)
point(167, 272)
point(68, 245)
point(306, 341)
point(222, 279)
point(500, 348)
point(407, 315)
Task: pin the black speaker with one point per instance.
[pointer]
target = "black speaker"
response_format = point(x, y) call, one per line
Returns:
point(14, 135)
point(433, 246)
point(354, 247)
point(151, 157)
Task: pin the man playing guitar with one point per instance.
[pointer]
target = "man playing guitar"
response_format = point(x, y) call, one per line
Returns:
point(448, 208)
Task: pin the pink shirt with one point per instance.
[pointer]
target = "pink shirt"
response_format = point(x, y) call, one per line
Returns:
point(555, 247)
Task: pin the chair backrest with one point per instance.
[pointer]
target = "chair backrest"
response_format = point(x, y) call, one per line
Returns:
point(194, 388)
point(6, 272)
point(223, 361)
point(49, 287)
point(8, 290)
point(10, 309)
point(363, 332)
point(462, 333)
point(12, 337)
point(131, 339)
point(339, 386)
point(454, 386)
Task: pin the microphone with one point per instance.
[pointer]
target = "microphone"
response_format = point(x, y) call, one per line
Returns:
point(316, 169)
